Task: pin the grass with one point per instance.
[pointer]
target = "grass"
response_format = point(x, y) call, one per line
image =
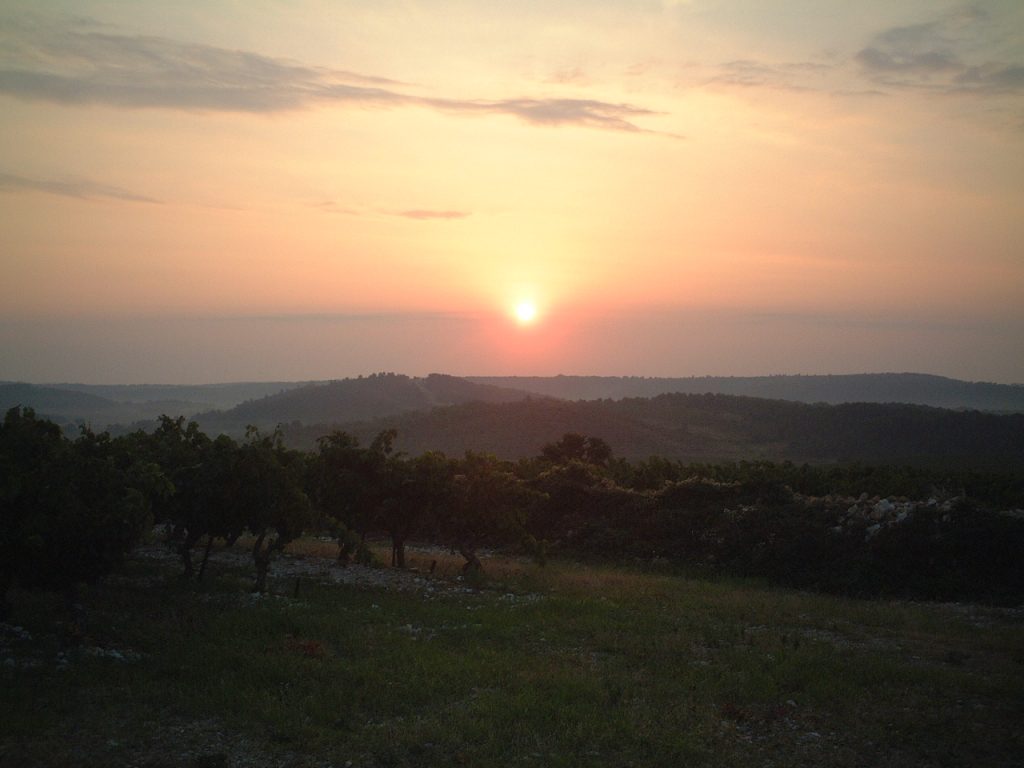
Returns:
point(567, 665)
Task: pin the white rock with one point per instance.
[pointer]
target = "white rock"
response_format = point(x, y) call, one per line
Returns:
point(884, 507)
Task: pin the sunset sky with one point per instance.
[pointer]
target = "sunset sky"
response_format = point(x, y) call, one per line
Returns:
point(219, 190)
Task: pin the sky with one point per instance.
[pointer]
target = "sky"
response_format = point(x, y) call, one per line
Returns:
point(219, 190)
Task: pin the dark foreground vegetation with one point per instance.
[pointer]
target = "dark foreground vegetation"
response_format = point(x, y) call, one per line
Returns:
point(72, 509)
point(635, 618)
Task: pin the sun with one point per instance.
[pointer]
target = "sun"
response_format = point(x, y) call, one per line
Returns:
point(525, 312)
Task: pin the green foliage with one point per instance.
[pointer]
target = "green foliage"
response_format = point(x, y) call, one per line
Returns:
point(205, 499)
point(348, 479)
point(270, 487)
point(70, 509)
point(969, 552)
point(417, 489)
point(486, 502)
point(578, 505)
point(374, 487)
point(576, 447)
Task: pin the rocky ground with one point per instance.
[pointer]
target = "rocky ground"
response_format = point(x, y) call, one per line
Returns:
point(177, 742)
point(209, 743)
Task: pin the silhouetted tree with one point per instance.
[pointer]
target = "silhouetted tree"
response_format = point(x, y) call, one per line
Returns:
point(417, 488)
point(270, 489)
point(486, 501)
point(200, 484)
point(576, 447)
point(69, 510)
point(352, 484)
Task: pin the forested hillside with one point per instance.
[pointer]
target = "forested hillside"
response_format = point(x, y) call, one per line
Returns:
point(51, 400)
point(231, 407)
point(915, 388)
point(709, 428)
point(103, 406)
point(203, 396)
point(71, 407)
point(362, 398)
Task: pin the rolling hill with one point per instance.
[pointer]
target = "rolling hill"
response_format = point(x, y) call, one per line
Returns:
point(197, 397)
point(708, 428)
point(914, 388)
point(104, 406)
point(57, 404)
point(451, 414)
point(359, 399)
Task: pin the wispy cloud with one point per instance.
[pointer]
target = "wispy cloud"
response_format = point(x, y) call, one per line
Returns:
point(968, 50)
point(61, 63)
point(428, 214)
point(568, 76)
point(790, 76)
point(936, 55)
point(918, 52)
point(418, 214)
point(82, 189)
point(992, 77)
point(585, 112)
point(329, 206)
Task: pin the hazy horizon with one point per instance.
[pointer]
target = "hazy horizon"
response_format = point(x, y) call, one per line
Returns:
point(192, 350)
point(310, 190)
point(214, 350)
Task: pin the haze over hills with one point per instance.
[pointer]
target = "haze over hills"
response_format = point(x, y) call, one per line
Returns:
point(104, 406)
point(54, 402)
point(709, 428)
point(452, 414)
point(231, 407)
point(71, 406)
point(199, 397)
point(357, 399)
point(915, 388)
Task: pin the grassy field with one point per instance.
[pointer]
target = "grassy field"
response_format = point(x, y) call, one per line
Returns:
point(565, 665)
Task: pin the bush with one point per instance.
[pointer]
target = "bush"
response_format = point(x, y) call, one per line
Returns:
point(70, 510)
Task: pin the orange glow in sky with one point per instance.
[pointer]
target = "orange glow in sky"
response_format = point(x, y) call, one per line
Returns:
point(856, 171)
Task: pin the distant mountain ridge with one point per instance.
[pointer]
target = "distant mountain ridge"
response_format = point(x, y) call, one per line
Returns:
point(913, 388)
point(206, 396)
point(51, 400)
point(441, 412)
point(105, 405)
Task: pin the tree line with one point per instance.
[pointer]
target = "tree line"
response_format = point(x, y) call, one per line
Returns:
point(70, 509)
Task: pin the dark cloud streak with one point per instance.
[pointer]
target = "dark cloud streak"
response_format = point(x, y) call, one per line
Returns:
point(418, 214)
point(425, 215)
point(939, 56)
point(585, 112)
point(80, 189)
point(993, 77)
point(929, 57)
point(58, 64)
point(876, 60)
